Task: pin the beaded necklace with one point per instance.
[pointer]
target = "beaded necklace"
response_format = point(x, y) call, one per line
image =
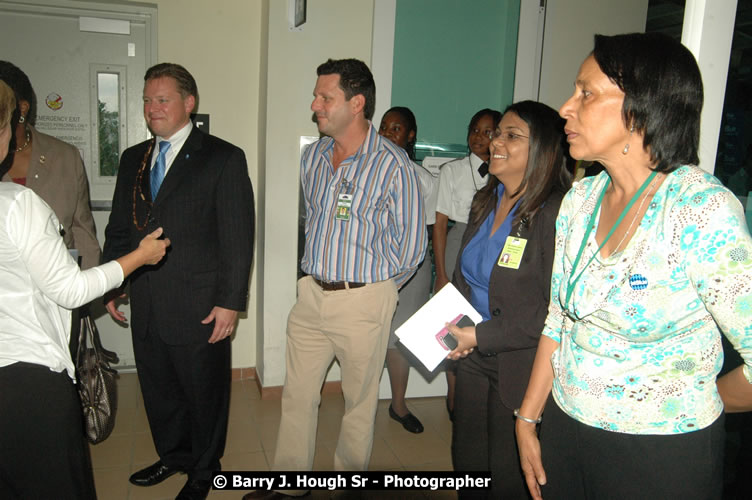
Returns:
point(138, 191)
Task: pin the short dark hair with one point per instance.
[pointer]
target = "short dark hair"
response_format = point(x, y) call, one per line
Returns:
point(412, 125)
point(546, 169)
point(354, 78)
point(185, 81)
point(19, 82)
point(663, 93)
point(495, 117)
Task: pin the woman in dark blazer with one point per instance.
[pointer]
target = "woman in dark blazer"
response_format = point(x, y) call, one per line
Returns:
point(504, 270)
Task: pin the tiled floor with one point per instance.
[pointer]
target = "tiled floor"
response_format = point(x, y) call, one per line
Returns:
point(250, 443)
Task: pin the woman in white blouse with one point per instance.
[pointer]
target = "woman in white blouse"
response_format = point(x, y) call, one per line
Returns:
point(44, 454)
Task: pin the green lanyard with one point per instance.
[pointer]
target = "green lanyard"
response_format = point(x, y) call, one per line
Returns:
point(591, 224)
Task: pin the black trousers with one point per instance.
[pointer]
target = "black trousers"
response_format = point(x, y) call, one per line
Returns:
point(483, 436)
point(584, 462)
point(43, 452)
point(186, 390)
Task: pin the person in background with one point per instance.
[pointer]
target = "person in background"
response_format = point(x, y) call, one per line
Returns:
point(504, 270)
point(40, 414)
point(399, 126)
point(53, 169)
point(653, 264)
point(459, 180)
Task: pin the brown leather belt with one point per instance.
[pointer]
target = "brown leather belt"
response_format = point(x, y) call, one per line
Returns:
point(331, 286)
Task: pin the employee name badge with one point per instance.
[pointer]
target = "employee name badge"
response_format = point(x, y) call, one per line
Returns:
point(344, 205)
point(511, 254)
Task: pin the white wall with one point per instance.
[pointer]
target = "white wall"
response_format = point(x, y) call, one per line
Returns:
point(708, 32)
point(568, 38)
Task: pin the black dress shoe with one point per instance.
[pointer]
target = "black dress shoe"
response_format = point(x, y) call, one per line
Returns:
point(154, 474)
point(269, 495)
point(410, 422)
point(194, 489)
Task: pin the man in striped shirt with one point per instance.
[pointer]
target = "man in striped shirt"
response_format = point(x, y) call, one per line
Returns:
point(365, 236)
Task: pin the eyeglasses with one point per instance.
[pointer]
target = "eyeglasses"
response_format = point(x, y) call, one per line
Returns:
point(509, 136)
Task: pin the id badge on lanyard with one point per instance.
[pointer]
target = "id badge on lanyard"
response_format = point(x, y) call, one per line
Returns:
point(344, 202)
point(514, 248)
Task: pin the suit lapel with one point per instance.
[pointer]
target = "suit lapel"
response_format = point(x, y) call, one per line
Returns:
point(181, 166)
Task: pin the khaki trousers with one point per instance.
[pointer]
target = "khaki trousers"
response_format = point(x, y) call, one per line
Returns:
point(353, 326)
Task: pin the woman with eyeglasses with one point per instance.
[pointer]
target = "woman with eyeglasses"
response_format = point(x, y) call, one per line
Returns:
point(504, 270)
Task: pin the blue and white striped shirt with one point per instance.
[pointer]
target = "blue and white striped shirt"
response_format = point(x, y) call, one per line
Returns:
point(385, 236)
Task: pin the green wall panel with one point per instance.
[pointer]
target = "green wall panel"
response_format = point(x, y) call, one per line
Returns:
point(452, 58)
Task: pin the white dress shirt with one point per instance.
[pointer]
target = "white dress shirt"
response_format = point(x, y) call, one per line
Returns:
point(40, 282)
point(429, 189)
point(459, 180)
point(176, 143)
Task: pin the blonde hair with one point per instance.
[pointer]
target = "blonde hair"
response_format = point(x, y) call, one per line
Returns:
point(7, 104)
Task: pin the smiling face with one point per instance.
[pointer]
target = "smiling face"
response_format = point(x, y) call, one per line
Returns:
point(509, 150)
point(480, 137)
point(395, 128)
point(595, 128)
point(165, 109)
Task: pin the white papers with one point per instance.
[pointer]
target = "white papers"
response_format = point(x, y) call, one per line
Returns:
point(421, 332)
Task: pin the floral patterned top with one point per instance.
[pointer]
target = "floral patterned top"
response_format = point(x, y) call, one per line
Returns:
point(640, 346)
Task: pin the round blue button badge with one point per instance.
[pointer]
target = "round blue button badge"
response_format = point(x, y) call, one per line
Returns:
point(638, 282)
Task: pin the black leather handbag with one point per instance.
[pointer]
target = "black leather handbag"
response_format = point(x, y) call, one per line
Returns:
point(97, 384)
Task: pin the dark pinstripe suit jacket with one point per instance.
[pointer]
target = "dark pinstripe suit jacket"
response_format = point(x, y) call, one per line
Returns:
point(205, 205)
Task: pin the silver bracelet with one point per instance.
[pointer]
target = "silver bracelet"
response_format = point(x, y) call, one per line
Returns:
point(525, 419)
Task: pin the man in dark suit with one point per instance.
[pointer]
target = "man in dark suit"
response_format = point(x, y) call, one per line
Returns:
point(197, 188)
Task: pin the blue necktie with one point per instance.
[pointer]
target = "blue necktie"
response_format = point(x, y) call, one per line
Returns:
point(158, 172)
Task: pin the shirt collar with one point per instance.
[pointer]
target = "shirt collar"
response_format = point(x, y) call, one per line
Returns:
point(179, 137)
point(373, 142)
point(475, 161)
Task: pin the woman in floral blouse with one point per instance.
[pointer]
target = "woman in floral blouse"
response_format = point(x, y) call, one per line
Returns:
point(653, 262)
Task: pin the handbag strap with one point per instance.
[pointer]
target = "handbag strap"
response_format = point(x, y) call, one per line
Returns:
point(86, 331)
